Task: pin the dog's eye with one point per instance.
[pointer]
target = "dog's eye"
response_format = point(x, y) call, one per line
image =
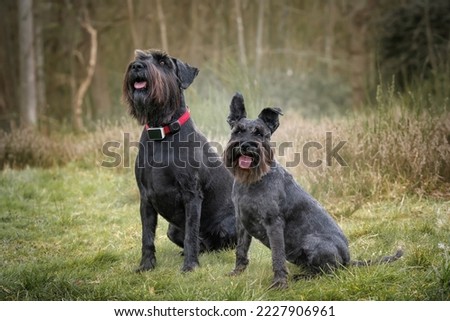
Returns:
point(162, 63)
point(257, 132)
point(238, 130)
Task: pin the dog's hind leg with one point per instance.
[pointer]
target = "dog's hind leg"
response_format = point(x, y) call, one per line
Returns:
point(175, 235)
point(149, 220)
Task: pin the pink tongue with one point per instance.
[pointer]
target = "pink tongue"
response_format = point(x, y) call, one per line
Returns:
point(140, 84)
point(245, 162)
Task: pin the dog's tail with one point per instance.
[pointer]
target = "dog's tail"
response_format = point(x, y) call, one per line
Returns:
point(382, 260)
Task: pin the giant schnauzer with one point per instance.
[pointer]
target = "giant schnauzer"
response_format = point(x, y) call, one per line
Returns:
point(273, 208)
point(178, 174)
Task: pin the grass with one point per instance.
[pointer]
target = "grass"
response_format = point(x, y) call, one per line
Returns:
point(73, 233)
point(70, 227)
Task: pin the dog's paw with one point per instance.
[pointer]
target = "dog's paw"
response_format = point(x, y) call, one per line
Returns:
point(237, 271)
point(189, 267)
point(279, 284)
point(146, 265)
point(234, 273)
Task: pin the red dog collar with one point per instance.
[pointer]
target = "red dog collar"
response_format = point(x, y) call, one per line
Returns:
point(158, 133)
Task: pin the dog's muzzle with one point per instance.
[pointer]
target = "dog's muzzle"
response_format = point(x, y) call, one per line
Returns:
point(247, 154)
point(138, 78)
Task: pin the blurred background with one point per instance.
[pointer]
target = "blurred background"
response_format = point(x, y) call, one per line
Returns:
point(63, 61)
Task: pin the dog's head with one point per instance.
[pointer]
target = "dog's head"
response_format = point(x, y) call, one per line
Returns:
point(153, 85)
point(248, 154)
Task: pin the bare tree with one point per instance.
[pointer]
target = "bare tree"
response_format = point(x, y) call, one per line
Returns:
point(41, 97)
point(162, 25)
point(81, 91)
point(195, 25)
point(240, 33)
point(259, 34)
point(330, 34)
point(28, 103)
point(134, 34)
point(429, 35)
point(358, 30)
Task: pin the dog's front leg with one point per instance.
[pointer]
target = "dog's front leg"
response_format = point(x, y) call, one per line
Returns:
point(275, 232)
point(191, 237)
point(244, 240)
point(148, 220)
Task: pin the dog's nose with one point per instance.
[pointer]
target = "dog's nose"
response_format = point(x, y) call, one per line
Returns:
point(137, 66)
point(249, 145)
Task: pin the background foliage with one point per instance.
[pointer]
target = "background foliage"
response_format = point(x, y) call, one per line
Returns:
point(318, 57)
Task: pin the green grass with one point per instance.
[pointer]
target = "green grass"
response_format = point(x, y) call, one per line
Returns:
point(73, 233)
point(70, 228)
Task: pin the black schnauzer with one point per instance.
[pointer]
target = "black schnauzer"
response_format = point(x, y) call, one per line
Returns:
point(273, 208)
point(178, 174)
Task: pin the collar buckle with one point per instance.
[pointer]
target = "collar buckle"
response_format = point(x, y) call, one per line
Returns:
point(159, 133)
point(156, 133)
point(175, 126)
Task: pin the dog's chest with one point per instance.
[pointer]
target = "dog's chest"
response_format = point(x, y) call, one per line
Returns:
point(157, 174)
point(255, 212)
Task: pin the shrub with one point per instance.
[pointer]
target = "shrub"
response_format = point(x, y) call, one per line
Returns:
point(29, 147)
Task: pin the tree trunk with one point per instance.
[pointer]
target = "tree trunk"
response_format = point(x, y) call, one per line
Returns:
point(195, 25)
point(218, 30)
point(359, 21)
point(134, 35)
point(259, 35)
point(240, 33)
point(329, 35)
point(431, 54)
point(41, 96)
point(162, 25)
point(28, 109)
point(81, 92)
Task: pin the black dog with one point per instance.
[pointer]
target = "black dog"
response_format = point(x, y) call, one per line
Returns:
point(177, 173)
point(273, 208)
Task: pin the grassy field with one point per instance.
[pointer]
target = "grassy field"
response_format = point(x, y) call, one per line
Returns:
point(70, 227)
point(73, 233)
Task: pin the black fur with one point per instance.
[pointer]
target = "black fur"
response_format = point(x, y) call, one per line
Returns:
point(273, 208)
point(178, 177)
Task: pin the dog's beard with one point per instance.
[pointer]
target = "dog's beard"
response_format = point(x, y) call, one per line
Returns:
point(248, 167)
point(153, 96)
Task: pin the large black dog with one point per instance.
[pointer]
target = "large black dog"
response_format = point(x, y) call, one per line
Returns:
point(273, 208)
point(178, 174)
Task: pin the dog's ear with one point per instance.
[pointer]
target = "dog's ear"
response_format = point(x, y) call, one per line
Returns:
point(269, 116)
point(185, 73)
point(237, 110)
point(139, 54)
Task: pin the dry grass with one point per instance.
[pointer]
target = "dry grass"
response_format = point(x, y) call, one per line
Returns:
point(388, 152)
point(391, 154)
point(30, 148)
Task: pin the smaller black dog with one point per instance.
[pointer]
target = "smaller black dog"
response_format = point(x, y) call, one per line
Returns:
point(273, 208)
